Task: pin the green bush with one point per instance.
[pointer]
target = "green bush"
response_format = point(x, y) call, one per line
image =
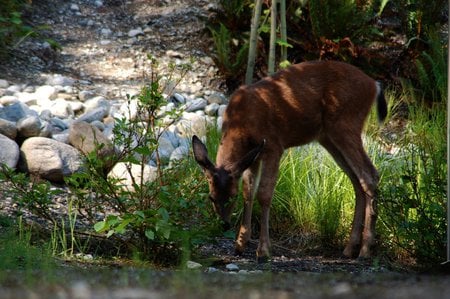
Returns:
point(337, 19)
point(12, 27)
point(230, 53)
point(149, 218)
point(413, 189)
point(158, 221)
point(432, 70)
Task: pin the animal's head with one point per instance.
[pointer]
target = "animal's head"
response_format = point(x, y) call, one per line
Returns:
point(223, 182)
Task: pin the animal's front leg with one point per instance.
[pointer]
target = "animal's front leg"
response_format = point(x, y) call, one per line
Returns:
point(269, 174)
point(245, 230)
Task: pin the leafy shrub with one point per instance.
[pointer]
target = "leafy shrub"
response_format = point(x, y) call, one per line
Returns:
point(148, 218)
point(432, 70)
point(412, 194)
point(156, 220)
point(12, 27)
point(231, 54)
point(337, 19)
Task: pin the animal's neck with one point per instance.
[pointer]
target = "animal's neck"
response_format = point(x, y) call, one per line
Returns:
point(232, 148)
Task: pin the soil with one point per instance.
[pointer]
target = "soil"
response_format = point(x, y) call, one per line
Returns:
point(176, 29)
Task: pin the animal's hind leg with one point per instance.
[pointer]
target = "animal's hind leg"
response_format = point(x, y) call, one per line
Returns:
point(352, 151)
point(354, 243)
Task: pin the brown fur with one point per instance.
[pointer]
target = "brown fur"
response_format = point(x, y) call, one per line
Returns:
point(323, 101)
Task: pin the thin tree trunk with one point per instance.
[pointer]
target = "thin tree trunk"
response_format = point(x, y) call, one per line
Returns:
point(273, 37)
point(253, 42)
point(283, 30)
point(448, 148)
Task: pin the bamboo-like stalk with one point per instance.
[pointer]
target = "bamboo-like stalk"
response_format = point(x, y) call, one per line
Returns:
point(273, 37)
point(283, 29)
point(253, 42)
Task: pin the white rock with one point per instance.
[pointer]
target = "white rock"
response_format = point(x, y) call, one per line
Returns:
point(59, 80)
point(212, 109)
point(16, 111)
point(74, 7)
point(49, 159)
point(232, 267)
point(27, 98)
point(12, 89)
point(195, 105)
point(179, 153)
point(165, 148)
point(174, 54)
point(135, 32)
point(120, 171)
point(8, 100)
point(95, 114)
point(178, 99)
point(218, 98)
point(129, 110)
point(61, 108)
point(193, 265)
point(212, 270)
point(46, 92)
point(76, 106)
point(106, 32)
point(8, 128)
point(219, 122)
point(3, 83)
point(97, 102)
point(9, 152)
point(85, 95)
point(191, 124)
point(105, 42)
point(29, 126)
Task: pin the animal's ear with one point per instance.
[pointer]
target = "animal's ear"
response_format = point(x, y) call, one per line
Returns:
point(201, 154)
point(249, 158)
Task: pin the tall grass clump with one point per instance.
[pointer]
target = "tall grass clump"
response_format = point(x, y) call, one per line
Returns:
point(315, 197)
point(314, 194)
point(413, 189)
point(21, 256)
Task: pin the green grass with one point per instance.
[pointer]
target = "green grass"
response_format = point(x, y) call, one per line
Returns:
point(314, 193)
point(20, 256)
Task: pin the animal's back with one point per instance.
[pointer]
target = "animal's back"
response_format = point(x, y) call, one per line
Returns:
point(297, 103)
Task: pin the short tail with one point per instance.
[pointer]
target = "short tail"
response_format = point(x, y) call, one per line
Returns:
point(382, 108)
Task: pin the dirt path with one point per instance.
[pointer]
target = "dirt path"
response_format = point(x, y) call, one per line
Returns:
point(105, 43)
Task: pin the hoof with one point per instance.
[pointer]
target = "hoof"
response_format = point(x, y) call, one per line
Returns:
point(350, 252)
point(364, 260)
point(238, 252)
point(263, 259)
